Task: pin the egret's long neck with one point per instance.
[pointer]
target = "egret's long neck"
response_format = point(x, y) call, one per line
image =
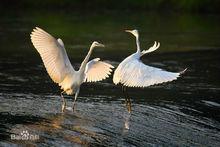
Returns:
point(138, 44)
point(85, 61)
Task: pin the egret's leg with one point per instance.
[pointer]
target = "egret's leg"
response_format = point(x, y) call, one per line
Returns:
point(128, 104)
point(64, 101)
point(127, 99)
point(123, 89)
point(76, 95)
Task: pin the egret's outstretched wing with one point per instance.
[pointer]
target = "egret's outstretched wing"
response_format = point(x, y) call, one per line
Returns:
point(97, 70)
point(151, 49)
point(53, 54)
point(136, 74)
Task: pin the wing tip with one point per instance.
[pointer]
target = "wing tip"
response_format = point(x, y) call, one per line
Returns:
point(35, 30)
point(111, 66)
point(38, 30)
point(182, 72)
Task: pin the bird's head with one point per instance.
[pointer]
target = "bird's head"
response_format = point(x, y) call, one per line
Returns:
point(134, 32)
point(97, 44)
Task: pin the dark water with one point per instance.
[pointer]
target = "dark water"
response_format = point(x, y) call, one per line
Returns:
point(185, 112)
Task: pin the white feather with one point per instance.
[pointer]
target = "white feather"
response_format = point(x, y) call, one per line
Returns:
point(133, 73)
point(97, 70)
point(53, 54)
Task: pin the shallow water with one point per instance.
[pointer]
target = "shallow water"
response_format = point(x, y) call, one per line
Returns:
point(185, 112)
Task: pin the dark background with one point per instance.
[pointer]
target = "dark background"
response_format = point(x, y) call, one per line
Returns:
point(192, 6)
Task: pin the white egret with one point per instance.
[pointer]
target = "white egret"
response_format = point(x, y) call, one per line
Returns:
point(58, 66)
point(131, 72)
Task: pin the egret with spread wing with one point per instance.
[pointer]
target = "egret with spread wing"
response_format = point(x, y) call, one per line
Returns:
point(58, 66)
point(131, 72)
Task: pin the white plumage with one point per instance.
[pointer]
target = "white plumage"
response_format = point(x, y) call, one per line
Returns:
point(131, 72)
point(58, 66)
point(97, 70)
point(53, 54)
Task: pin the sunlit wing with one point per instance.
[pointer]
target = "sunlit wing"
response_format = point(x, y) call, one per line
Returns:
point(137, 74)
point(97, 70)
point(53, 54)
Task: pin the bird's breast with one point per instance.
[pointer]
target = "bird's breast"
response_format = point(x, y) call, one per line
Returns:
point(70, 84)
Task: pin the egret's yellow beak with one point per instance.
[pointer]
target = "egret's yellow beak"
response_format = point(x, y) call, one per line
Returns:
point(101, 45)
point(129, 31)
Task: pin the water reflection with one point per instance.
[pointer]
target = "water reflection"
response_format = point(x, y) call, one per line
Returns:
point(66, 128)
point(127, 122)
point(79, 130)
point(15, 123)
point(55, 126)
point(181, 109)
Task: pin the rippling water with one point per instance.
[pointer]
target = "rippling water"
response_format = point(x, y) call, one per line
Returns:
point(185, 112)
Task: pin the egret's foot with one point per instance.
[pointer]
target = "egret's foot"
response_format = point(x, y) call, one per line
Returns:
point(128, 105)
point(129, 108)
point(69, 108)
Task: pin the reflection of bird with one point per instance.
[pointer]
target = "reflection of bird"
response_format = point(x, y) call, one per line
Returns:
point(59, 68)
point(131, 72)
